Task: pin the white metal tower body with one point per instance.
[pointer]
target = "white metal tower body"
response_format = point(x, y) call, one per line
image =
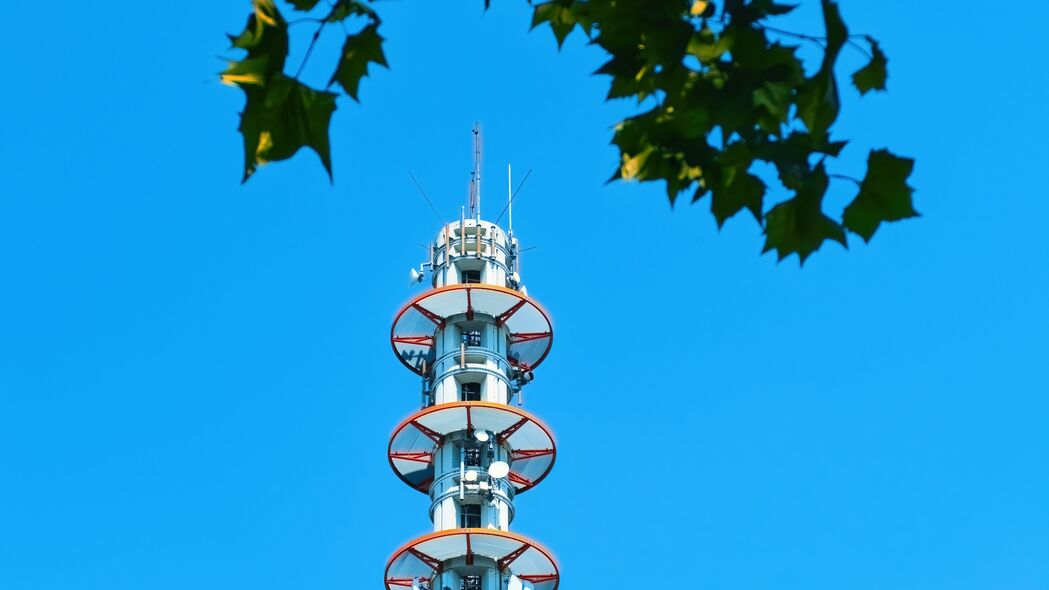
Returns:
point(474, 339)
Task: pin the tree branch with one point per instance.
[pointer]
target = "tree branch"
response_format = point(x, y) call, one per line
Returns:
point(309, 50)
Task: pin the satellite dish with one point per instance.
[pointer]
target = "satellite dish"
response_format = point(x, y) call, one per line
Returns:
point(414, 277)
point(470, 476)
point(481, 435)
point(499, 469)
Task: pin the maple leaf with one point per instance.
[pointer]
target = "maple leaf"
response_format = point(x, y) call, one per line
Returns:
point(798, 226)
point(357, 52)
point(884, 194)
point(872, 76)
point(282, 117)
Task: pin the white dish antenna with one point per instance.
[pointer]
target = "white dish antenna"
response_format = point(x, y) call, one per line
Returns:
point(499, 469)
point(470, 476)
point(481, 436)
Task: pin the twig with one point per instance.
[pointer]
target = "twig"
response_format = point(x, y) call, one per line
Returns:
point(309, 50)
point(821, 40)
point(845, 177)
point(305, 19)
point(817, 40)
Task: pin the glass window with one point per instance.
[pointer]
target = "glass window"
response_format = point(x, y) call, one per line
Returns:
point(471, 276)
point(472, 337)
point(471, 392)
point(470, 516)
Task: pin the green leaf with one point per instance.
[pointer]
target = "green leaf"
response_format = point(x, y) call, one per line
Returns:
point(666, 41)
point(561, 16)
point(303, 5)
point(248, 72)
point(344, 9)
point(631, 76)
point(741, 190)
point(707, 46)
point(265, 38)
point(798, 226)
point(884, 194)
point(872, 76)
point(358, 51)
point(817, 101)
point(733, 188)
point(281, 117)
point(280, 114)
point(773, 99)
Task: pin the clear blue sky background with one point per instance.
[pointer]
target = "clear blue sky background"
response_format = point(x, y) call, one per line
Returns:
point(196, 387)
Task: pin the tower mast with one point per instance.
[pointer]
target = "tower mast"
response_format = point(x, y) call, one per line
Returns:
point(474, 339)
point(475, 207)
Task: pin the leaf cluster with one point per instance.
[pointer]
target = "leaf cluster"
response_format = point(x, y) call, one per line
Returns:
point(282, 114)
point(726, 93)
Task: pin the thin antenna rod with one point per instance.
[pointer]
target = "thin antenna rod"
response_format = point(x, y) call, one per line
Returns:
point(425, 196)
point(529, 173)
point(509, 198)
point(475, 206)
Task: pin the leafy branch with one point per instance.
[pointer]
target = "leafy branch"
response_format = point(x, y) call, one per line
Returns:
point(281, 114)
point(727, 95)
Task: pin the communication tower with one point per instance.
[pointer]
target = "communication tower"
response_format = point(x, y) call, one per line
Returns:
point(474, 338)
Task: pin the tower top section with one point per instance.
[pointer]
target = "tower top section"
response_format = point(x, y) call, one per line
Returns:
point(474, 251)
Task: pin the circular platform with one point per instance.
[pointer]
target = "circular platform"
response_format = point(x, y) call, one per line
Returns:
point(412, 335)
point(413, 442)
point(425, 556)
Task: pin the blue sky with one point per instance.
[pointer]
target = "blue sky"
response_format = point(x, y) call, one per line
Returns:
point(196, 387)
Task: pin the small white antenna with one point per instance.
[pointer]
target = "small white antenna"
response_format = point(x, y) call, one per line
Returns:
point(519, 187)
point(510, 199)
